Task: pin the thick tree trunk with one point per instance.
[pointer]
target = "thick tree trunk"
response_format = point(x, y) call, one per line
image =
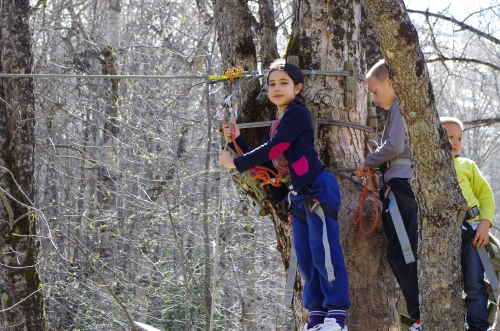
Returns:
point(21, 298)
point(266, 34)
point(439, 198)
point(325, 35)
point(237, 49)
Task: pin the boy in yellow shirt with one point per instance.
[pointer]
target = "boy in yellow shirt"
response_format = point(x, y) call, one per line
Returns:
point(478, 220)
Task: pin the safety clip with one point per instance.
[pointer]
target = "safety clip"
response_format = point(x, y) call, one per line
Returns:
point(472, 212)
point(388, 188)
point(313, 208)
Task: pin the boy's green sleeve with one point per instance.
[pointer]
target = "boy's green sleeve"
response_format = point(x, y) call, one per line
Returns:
point(484, 194)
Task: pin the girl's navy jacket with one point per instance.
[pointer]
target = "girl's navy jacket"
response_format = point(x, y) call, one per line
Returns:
point(294, 139)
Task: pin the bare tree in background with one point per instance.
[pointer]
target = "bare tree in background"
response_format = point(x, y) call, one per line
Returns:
point(20, 286)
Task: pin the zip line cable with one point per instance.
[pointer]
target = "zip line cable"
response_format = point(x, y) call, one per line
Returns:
point(209, 78)
point(4, 75)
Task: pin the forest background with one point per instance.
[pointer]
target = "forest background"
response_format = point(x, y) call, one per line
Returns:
point(135, 220)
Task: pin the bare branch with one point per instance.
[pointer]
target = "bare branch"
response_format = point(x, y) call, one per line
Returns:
point(464, 59)
point(481, 122)
point(459, 23)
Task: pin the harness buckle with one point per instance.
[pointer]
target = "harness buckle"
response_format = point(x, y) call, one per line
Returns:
point(289, 208)
point(288, 183)
point(387, 188)
point(313, 208)
point(472, 212)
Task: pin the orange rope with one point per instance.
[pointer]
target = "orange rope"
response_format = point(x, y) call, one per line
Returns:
point(262, 173)
point(358, 214)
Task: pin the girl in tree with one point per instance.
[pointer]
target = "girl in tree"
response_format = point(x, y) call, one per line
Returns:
point(288, 149)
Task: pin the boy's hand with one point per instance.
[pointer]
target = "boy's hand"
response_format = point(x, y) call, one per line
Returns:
point(482, 238)
point(362, 170)
point(226, 159)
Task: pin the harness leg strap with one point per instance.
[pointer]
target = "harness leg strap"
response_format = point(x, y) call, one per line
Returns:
point(292, 274)
point(488, 268)
point(400, 228)
point(328, 259)
point(292, 268)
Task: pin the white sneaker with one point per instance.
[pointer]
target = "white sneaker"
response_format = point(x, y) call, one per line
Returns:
point(415, 327)
point(317, 327)
point(332, 325)
point(329, 325)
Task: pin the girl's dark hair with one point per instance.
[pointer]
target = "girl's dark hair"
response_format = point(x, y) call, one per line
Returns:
point(295, 74)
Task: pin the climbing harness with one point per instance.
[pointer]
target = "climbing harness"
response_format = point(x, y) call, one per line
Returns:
point(369, 144)
point(404, 241)
point(488, 268)
point(322, 210)
point(292, 274)
point(397, 220)
point(358, 214)
point(471, 213)
point(399, 160)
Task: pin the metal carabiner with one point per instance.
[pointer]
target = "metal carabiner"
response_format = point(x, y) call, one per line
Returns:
point(371, 142)
point(227, 102)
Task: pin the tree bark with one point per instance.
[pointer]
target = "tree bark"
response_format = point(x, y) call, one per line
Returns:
point(266, 32)
point(20, 287)
point(439, 198)
point(325, 35)
point(237, 49)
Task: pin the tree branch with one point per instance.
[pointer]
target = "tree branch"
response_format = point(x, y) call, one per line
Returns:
point(463, 59)
point(481, 122)
point(457, 22)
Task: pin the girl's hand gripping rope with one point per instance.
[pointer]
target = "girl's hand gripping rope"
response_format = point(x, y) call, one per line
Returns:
point(231, 132)
point(226, 159)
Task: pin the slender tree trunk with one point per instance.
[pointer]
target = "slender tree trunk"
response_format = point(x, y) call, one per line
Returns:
point(439, 198)
point(249, 313)
point(113, 23)
point(108, 170)
point(21, 298)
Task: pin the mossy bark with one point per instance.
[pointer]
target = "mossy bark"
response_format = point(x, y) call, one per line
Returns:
point(438, 195)
point(325, 35)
